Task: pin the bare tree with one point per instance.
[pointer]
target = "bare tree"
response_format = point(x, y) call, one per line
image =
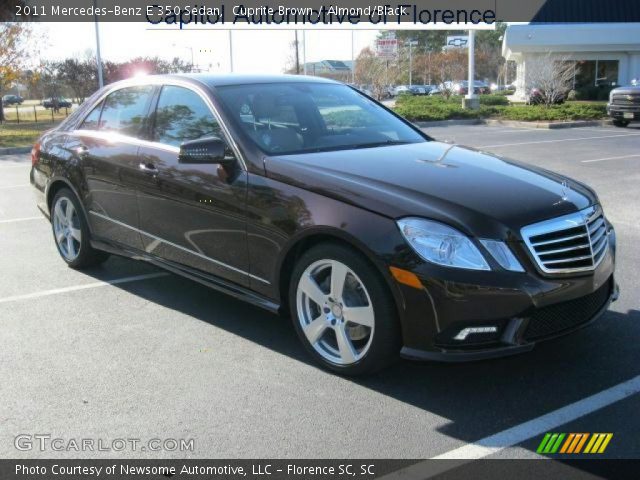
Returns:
point(551, 75)
point(374, 71)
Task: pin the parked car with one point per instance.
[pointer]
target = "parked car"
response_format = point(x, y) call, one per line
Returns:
point(418, 90)
point(624, 104)
point(402, 90)
point(50, 102)
point(302, 196)
point(8, 100)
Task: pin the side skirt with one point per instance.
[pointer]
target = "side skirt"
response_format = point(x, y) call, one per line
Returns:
point(205, 279)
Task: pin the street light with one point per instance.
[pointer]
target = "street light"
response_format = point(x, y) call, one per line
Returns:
point(411, 44)
point(175, 45)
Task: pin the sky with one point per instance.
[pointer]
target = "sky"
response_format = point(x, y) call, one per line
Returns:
point(254, 51)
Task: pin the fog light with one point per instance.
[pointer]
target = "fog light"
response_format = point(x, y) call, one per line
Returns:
point(465, 332)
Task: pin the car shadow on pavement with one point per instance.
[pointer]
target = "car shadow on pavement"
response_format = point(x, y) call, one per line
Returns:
point(478, 398)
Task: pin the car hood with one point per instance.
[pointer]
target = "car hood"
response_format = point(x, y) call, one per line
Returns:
point(623, 90)
point(479, 193)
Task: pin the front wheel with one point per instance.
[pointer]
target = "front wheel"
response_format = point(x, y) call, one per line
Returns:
point(71, 232)
point(343, 311)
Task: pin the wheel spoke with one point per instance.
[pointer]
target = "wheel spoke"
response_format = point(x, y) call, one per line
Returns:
point(59, 214)
point(75, 233)
point(347, 352)
point(60, 236)
point(338, 277)
point(360, 315)
point(71, 248)
point(309, 286)
point(315, 329)
point(69, 213)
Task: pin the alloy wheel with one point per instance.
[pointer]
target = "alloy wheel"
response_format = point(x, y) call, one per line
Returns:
point(66, 228)
point(335, 312)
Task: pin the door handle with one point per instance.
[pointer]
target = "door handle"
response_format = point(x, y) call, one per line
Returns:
point(148, 167)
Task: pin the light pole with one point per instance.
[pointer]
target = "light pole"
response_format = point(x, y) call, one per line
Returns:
point(230, 51)
point(98, 57)
point(175, 45)
point(411, 43)
point(471, 99)
point(353, 59)
point(304, 52)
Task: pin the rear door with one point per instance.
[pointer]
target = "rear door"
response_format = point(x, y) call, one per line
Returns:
point(107, 144)
point(194, 215)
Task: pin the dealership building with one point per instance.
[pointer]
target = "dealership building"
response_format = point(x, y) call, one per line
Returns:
point(604, 53)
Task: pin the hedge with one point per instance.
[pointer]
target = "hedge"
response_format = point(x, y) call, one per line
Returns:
point(493, 106)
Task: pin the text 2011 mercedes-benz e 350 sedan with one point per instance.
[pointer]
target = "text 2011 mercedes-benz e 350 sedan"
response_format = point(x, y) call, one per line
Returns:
point(302, 195)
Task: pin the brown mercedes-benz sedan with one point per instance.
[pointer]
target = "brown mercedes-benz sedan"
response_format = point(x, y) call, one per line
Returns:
point(302, 195)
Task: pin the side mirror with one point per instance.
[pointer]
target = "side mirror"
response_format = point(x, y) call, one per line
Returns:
point(204, 150)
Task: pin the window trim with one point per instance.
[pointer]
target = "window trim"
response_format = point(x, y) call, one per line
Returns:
point(158, 83)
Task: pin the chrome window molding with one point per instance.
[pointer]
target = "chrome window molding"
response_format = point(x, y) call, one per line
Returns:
point(586, 237)
point(180, 247)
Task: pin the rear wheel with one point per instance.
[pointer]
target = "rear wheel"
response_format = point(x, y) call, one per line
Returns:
point(343, 311)
point(621, 123)
point(71, 232)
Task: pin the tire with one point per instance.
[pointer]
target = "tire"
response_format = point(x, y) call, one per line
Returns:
point(71, 232)
point(621, 123)
point(328, 331)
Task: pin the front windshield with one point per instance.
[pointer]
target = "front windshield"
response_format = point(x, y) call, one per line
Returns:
point(286, 118)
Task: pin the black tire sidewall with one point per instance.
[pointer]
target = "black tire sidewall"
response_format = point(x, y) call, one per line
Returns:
point(385, 346)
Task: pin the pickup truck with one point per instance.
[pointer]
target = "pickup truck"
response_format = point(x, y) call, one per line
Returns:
point(624, 105)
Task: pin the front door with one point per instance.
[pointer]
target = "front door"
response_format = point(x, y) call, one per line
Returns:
point(193, 215)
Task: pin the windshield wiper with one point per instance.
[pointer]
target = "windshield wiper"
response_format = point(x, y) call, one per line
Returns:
point(378, 144)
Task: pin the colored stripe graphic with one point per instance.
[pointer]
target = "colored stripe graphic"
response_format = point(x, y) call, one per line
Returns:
point(573, 443)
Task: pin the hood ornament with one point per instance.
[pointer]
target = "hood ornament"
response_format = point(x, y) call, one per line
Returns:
point(565, 190)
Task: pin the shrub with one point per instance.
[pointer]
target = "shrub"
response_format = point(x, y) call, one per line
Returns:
point(593, 93)
point(493, 99)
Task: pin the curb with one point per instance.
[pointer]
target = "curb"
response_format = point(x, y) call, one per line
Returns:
point(548, 125)
point(14, 150)
point(444, 123)
point(515, 123)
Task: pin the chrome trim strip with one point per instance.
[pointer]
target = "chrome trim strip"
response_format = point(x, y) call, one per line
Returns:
point(197, 254)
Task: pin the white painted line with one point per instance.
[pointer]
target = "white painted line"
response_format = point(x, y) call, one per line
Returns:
point(20, 165)
point(56, 291)
point(15, 186)
point(518, 434)
point(23, 219)
point(609, 158)
point(576, 139)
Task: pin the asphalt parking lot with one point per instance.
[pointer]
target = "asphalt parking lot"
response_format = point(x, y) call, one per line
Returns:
point(126, 351)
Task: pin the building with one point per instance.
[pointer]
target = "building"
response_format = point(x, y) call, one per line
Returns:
point(329, 67)
point(604, 53)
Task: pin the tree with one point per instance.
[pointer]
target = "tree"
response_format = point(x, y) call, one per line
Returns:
point(14, 54)
point(552, 75)
point(374, 71)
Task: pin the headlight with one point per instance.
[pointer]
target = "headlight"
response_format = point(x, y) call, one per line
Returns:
point(440, 244)
point(503, 255)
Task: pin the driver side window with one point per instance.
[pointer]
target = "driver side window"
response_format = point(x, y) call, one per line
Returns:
point(182, 115)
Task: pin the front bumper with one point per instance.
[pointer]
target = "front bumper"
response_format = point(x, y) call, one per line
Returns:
point(524, 308)
point(624, 112)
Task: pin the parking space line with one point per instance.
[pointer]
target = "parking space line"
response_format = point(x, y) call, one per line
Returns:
point(23, 219)
point(559, 140)
point(609, 158)
point(518, 434)
point(2, 187)
point(56, 291)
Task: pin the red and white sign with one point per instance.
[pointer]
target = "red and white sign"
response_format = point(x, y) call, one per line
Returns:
point(387, 47)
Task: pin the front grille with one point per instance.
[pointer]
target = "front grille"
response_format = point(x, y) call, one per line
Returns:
point(572, 243)
point(554, 319)
point(625, 99)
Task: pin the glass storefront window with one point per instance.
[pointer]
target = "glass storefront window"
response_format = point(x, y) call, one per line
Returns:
point(607, 72)
point(591, 73)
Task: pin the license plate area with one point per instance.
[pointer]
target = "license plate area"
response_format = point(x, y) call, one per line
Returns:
point(627, 115)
